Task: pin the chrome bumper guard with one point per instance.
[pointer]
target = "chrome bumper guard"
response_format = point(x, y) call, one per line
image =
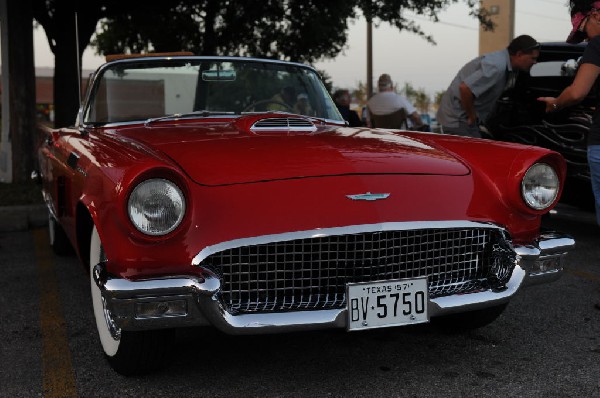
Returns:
point(543, 261)
point(192, 301)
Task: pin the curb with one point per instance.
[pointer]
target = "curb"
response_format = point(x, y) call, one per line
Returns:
point(23, 218)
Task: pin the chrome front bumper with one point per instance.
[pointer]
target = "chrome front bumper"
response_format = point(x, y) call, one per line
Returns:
point(192, 301)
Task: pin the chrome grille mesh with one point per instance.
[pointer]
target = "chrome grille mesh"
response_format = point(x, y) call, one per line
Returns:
point(312, 273)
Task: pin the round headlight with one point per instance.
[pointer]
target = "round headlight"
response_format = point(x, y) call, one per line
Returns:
point(540, 186)
point(156, 206)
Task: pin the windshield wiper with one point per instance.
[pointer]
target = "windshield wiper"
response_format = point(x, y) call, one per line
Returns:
point(265, 112)
point(318, 119)
point(314, 118)
point(202, 113)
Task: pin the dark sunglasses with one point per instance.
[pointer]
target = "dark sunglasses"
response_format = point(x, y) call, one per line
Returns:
point(536, 46)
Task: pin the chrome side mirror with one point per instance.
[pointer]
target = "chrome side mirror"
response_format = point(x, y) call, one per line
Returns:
point(569, 68)
point(79, 118)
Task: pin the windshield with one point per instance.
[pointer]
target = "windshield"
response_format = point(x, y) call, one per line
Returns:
point(144, 89)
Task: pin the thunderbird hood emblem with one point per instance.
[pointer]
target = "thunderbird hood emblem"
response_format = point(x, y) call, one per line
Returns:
point(369, 196)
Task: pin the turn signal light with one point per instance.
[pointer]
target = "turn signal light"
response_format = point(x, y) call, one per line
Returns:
point(547, 264)
point(161, 309)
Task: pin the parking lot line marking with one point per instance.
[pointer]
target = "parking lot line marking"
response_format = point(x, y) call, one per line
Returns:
point(58, 378)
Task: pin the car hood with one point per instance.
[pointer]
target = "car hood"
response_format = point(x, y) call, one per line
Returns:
point(229, 152)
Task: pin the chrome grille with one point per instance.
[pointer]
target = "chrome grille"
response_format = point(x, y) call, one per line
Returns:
point(312, 273)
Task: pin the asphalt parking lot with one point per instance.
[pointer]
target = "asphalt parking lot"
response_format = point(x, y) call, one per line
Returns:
point(547, 343)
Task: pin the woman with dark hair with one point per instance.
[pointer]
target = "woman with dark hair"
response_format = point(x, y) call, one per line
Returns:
point(585, 18)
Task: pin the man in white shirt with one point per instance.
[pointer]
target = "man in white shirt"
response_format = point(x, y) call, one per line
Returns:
point(386, 101)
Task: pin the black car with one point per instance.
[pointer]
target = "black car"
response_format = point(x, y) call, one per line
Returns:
point(520, 117)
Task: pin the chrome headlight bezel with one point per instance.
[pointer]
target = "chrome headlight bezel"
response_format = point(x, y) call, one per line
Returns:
point(156, 206)
point(540, 186)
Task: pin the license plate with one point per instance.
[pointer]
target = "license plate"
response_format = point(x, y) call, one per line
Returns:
point(387, 303)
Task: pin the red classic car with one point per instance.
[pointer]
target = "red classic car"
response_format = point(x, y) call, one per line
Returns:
point(229, 192)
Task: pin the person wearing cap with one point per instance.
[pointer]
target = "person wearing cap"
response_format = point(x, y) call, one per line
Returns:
point(478, 85)
point(585, 19)
point(387, 101)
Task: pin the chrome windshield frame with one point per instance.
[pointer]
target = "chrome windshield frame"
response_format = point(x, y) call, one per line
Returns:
point(99, 73)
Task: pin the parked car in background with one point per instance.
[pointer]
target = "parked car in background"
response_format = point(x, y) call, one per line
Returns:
point(196, 193)
point(519, 117)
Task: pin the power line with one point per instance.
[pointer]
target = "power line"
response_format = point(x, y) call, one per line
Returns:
point(541, 16)
point(550, 1)
point(455, 25)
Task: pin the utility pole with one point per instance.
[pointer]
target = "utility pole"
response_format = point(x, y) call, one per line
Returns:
point(369, 58)
point(502, 14)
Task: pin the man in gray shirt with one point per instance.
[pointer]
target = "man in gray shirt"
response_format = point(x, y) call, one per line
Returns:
point(479, 84)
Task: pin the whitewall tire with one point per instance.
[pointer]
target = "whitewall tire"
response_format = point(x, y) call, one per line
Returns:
point(58, 239)
point(110, 339)
point(128, 352)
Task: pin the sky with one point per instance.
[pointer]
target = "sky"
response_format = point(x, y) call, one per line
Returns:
point(405, 56)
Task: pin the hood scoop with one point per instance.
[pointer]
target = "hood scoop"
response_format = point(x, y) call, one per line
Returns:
point(283, 124)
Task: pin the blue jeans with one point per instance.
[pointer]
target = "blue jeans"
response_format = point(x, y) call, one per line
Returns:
point(594, 162)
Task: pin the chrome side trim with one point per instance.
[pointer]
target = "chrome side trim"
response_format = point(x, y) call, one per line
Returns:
point(347, 230)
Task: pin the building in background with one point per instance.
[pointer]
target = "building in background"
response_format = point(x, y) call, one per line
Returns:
point(502, 13)
point(44, 93)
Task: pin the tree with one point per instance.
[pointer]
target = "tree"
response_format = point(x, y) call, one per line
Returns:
point(69, 27)
point(418, 97)
point(438, 98)
point(409, 91)
point(298, 30)
point(64, 23)
point(422, 101)
point(360, 93)
point(21, 88)
point(291, 29)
